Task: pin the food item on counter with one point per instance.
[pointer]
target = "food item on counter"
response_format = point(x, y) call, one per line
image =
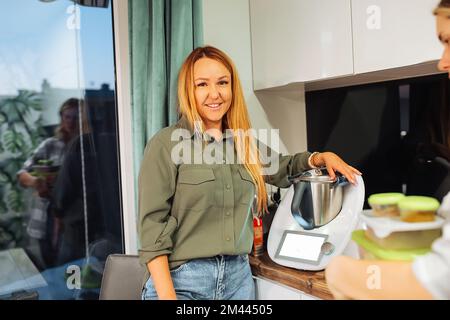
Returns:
point(385, 204)
point(418, 208)
point(258, 239)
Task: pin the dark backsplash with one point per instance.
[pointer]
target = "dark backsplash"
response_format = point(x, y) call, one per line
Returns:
point(397, 133)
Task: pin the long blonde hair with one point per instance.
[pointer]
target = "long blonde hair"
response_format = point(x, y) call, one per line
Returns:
point(236, 118)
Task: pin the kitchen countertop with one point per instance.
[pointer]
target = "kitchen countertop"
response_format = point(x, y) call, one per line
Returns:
point(309, 282)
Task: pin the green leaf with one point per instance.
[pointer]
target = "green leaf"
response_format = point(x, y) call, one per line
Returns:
point(30, 99)
point(3, 208)
point(4, 178)
point(14, 165)
point(3, 119)
point(14, 200)
point(16, 108)
point(9, 108)
point(14, 141)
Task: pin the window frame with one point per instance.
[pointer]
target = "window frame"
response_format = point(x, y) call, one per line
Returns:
point(124, 118)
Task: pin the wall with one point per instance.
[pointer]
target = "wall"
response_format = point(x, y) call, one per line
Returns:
point(227, 26)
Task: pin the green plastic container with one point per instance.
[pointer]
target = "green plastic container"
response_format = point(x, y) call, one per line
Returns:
point(385, 198)
point(418, 208)
point(418, 203)
point(385, 204)
point(371, 251)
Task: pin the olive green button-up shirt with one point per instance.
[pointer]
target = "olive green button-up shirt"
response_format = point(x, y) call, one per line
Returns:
point(189, 209)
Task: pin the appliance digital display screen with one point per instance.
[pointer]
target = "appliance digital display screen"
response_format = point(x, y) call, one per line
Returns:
point(301, 246)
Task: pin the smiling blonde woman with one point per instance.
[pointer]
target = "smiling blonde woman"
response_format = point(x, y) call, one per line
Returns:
point(195, 219)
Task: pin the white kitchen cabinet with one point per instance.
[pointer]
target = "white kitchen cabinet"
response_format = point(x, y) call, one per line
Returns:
point(271, 290)
point(390, 34)
point(304, 41)
point(299, 41)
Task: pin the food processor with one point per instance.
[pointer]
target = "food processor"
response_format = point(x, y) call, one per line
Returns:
point(315, 219)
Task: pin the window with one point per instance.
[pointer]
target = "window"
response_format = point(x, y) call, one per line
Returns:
point(60, 210)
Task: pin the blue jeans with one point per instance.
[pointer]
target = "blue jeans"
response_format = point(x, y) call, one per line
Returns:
point(216, 278)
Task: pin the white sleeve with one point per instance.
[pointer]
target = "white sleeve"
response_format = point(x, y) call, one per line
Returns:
point(433, 269)
point(444, 209)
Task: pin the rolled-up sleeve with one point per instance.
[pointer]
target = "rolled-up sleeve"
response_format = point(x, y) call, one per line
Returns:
point(283, 166)
point(157, 180)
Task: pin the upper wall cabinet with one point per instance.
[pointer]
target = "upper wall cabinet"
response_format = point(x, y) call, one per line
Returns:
point(300, 40)
point(389, 34)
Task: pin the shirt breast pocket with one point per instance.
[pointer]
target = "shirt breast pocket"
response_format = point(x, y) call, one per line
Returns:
point(246, 189)
point(195, 189)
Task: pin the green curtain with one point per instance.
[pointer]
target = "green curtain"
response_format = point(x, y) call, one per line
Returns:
point(162, 34)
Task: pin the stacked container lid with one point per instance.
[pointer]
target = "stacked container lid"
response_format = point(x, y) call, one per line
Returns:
point(399, 227)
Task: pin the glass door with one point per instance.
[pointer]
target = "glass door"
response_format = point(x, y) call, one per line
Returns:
point(60, 208)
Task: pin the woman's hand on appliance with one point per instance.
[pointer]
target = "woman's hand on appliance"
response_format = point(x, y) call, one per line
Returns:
point(334, 163)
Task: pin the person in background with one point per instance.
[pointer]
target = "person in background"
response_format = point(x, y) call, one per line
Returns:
point(77, 199)
point(428, 276)
point(49, 155)
point(195, 219)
